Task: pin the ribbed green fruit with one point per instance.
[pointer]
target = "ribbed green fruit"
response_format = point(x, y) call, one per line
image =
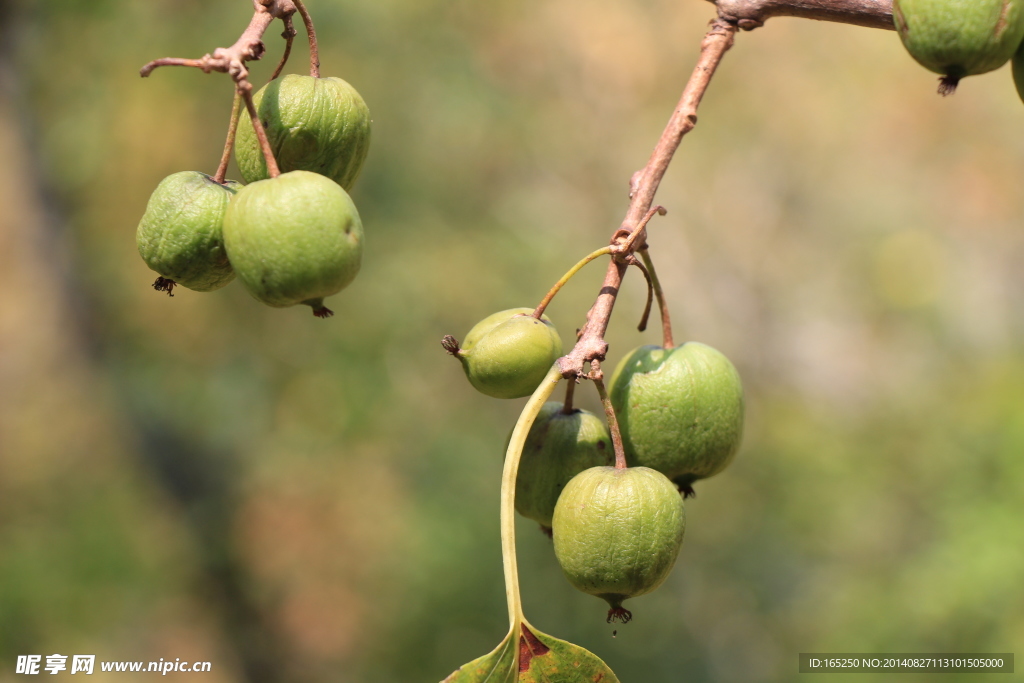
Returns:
point(617, 533)
point(959, 38)
point(180, 235)
point(313, 124)
point(1018, 70)
point(559, 446)
point(680, 411)
point(294, 239)
point(507, 354)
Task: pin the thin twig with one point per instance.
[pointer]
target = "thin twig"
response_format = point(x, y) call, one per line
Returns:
point(666, 321)
point(591, 345)
point(289, 36)
point(249, 46)
point(314, 52)
point(539, 311)
point(570, 389)
point(639, 234)
point(225, 157)
point(245, 89)
point(613, 423)
point(632, 260)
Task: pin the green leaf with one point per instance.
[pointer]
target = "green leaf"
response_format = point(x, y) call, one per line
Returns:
point(540, 659)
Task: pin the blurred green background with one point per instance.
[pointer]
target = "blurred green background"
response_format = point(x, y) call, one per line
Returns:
point(293, 499)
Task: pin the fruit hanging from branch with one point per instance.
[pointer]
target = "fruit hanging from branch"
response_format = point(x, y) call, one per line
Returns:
point(313, 124)
point(294, 239)
point(180, 235)
point(958, 38)
point(680, 410)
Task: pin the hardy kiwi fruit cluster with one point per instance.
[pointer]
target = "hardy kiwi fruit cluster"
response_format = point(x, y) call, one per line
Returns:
point(958, 38)
point(293, 239)
point(616, 532)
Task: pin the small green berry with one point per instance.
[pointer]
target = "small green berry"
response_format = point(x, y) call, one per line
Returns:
point(313, 124)
point(180, 235)
point(293, 239)
point(958, 38)
point(617, 533)
point(507, 354)
point(680, 410)
point(559, 446)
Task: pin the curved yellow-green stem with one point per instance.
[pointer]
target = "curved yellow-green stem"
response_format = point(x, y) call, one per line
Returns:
point(508, 493)
point(539, 311)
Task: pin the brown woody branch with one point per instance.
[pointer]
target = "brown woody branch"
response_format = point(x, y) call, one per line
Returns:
point(749, 14)
point(249, 46)
point(231, 60)
point(591, 345)
point(733, 15)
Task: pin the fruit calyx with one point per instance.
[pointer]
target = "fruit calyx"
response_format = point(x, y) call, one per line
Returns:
point(164, 284)
point(617, 612)
point(947, 85)
point(450, 344)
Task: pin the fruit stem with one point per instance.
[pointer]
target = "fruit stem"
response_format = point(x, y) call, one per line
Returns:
point(245, 90)
point(314, 53)
point(633, 261)
point(236, 110)
point(609, 412)
point(666, 320)
point(288, 34)
point(508, 492)
point(539, 311)
point(570, 389)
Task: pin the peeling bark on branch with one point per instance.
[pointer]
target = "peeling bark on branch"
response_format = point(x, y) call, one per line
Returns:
point(749, 14)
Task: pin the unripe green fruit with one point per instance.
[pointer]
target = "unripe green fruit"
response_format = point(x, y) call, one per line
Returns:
point(680, 410)
point(180, 235)
point(559, 446)
point(617, 533)
point(507, 354)
point(1018, 70)
point(294, 239)
point(313, 124)
point(959, 38)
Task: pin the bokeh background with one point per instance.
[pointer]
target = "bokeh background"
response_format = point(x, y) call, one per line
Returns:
point(292, 499)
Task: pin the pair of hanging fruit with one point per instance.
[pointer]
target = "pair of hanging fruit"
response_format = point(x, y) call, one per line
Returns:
point(291, 239)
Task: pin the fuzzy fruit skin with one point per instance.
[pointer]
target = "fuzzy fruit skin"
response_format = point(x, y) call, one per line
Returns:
point(507, 354)
point(1018, 70)
point(180, 235)
point(617, 532)
point(558, 447)
point(313, 124)
point(680, 411)
point(960, 37)
point(294, 239)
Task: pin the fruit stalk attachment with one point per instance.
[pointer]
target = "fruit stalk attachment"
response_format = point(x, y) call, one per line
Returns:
point(666, 320)
point(314, 52)
point(609, 411)
point(225, 157)
point(539, 311)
